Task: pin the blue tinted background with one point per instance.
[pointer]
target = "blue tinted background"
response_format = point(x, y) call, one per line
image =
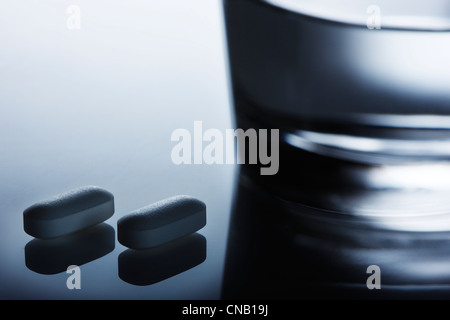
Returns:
point(97, 106)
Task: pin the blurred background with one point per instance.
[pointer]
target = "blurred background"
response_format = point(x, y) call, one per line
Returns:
point(90, 93)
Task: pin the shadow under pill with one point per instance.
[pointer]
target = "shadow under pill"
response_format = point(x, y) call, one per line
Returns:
point(55, 255)
point(149, 266)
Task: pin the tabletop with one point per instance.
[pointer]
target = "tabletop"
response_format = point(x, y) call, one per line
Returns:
point(91, 92)
point(98, 93)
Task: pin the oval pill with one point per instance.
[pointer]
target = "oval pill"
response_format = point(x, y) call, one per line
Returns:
point(68, 212)
point(161, 222)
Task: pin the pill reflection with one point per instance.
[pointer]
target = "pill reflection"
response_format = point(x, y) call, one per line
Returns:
point(149, 266)
point(55, 255)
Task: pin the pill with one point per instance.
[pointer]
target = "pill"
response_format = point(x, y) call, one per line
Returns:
point(161, 222)
point(146, 267)
point(68, 212)
point(52, 256)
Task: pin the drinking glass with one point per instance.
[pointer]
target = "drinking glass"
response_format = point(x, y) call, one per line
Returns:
point(360, 93)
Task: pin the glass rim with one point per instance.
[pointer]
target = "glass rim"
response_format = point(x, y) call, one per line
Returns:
point(434, 15)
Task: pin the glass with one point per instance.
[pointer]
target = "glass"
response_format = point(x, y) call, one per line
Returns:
point(361, 96)
point(300, 255)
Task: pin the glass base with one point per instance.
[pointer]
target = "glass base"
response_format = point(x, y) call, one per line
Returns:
point(387, 178)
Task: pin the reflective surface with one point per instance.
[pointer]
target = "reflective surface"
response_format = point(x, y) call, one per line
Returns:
point(55, 255)
point(149, 266)
point(364, 167)
point(282, 249)
point(97, 106)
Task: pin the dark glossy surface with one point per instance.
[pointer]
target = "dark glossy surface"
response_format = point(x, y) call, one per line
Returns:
point(97, 106)
point(55, 255)
point(279, 249)
point(149, 266)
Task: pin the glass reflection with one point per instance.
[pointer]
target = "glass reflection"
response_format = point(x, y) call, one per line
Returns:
point(55, 255)
point(149, 266)
point(282, 248)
